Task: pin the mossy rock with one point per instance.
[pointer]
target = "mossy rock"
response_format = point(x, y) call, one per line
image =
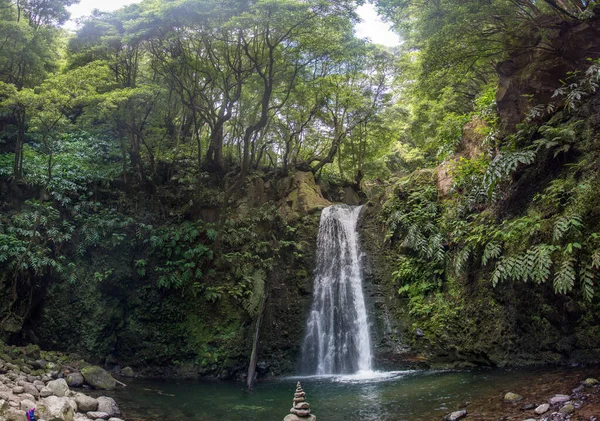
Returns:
point(511, 397)
point(590, 382)
point(98, 378)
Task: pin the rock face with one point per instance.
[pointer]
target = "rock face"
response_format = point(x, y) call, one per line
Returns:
point(538, 71)
point(98, 378)
point(300, 407)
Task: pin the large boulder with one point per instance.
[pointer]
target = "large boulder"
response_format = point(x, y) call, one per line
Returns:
point(108, 405)
point(54, 408)
point(59, 387)
point(98, 377)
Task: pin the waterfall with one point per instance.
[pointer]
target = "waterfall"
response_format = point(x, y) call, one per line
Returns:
point(337, 331)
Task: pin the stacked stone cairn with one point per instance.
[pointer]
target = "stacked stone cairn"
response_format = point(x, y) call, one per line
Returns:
point(300, 408)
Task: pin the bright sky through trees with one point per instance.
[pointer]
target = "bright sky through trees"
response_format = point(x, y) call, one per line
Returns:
point(371, 27)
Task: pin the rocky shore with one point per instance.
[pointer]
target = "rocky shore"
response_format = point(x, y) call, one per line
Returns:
point(581, 404)
point(48, 383)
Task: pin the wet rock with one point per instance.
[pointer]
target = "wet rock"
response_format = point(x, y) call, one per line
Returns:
point(59, 387)
point(567, 409)
point(75, 380)
point(542, 409)
point(511, 397)
point(86, 403)
point(527, 407)
point(98, 377)
point(456, 415)
point(558, 399)
point(108, 405)
point(590, 382)
point(97, 415)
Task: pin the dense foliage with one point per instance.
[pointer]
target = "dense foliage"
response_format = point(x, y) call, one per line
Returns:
point(142, 137)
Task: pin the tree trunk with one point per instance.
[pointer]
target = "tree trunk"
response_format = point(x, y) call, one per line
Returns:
point(254, 355)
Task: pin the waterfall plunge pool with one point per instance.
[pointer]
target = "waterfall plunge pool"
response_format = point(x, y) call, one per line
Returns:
point(396, 396)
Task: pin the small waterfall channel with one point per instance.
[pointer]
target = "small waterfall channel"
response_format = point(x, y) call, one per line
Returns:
point(337, 333)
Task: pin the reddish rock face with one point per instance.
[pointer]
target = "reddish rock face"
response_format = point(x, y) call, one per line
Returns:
point(530, 76)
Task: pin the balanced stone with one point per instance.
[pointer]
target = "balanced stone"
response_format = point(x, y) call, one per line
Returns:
point(300, 408)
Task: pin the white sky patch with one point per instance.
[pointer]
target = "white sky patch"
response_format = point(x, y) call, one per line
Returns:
point(374, 28)
point(85, 7)
point(371, 27)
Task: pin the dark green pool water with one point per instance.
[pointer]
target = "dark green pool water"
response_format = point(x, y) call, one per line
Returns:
point(402, 396)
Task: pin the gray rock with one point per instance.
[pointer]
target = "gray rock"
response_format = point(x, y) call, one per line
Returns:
point(86, 403)
point(542, 409)
point(46, 378)
point(108, 405)
point(456, 415)
point(18, 390)
point(13, 414)
point(45, 392)
point(75, 380)
point(94, 415)
point(512, 397)
point(558, 399)
point(115, 419)
point(39, 383)
point(26, 405)
point(128, 372)
point(567, 409)
point(59, 387)
point(54, 408)
point(31, 389)
point(28, 396)
point(527, 407)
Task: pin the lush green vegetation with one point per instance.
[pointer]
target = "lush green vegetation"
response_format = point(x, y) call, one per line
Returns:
point(153, 151)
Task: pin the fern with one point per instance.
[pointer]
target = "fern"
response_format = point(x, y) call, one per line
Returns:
point(564, 278)
point(503, 166)
point(462, 258)
point(586, 276)
point(491, 251)
point(566, 223)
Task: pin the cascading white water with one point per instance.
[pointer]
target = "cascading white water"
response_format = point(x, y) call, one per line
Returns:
point(337, 332)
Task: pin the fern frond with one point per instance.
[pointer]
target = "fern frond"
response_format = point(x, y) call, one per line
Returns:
point(491, 251)
point(564, 278)
point(586, 276)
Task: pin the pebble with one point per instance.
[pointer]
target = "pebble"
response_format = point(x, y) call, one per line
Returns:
point(558, 399)
point(97, 415)
point(512, 397)
point(542, 409)
point(456, 415)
